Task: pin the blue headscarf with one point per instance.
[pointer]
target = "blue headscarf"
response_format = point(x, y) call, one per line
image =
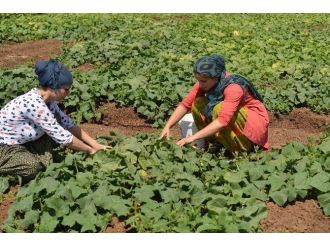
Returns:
point(53, 74)
point(214, 66)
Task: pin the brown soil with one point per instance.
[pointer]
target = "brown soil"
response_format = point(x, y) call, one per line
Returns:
point(5, 202)
point(13, 54)
point(85, 67)
point(300, 125)
point(304, 216)
point(117, 226)
point(297, 126)
point(123, 120)
point(320, 26)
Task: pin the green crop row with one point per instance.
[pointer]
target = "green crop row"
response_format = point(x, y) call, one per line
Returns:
point(146, 61)
point(155, 186)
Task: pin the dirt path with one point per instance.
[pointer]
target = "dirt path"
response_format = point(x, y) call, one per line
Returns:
point(5, 203)
point(13, 54)
point(299, 217)
point(297, 126)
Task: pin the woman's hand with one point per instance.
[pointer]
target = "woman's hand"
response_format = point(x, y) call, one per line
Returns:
point(186, 140)
point(98, 146)
point(165, 133)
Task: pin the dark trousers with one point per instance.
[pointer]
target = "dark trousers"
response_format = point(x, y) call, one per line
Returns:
point(28, 159)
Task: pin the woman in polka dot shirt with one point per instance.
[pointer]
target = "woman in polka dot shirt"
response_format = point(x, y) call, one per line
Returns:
point(32, 124)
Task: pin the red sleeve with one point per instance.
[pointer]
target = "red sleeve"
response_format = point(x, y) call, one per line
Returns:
point(233, 95)
point(191, 96)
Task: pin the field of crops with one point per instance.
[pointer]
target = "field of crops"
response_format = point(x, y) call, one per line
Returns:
point(145, 61)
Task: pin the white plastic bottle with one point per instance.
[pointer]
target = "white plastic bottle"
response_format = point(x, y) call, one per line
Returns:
point(188, 128)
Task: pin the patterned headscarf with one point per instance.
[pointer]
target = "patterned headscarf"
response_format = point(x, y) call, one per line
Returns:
point(53, 74)
point(212, 66)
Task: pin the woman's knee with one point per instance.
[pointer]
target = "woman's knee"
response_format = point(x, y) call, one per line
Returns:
point(23, 164)
point(30, 172)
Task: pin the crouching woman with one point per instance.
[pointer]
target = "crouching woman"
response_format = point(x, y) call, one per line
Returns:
point(32, 125)
point(226, 108)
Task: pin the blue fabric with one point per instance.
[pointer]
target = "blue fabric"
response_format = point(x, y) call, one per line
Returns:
point(212, 66)
point(215, 94)
point(53, 74)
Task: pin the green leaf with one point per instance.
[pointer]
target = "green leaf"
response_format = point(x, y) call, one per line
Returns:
point(325, 147)
point(276, 182)
point(70, 219)
point(301, 164)
point(131, 144)
point(248, 211)
point(69, 159)
point(76, 191)
point(324, 201)
point(83, 178)
point(233, 177)
point(178, 153)
point(254, 192)
point(324, 198)
point(217, 204)
point(208, 227)
point(321, 182)
point(119, 205)
point(255, 173)
point(130, 157)
point(279, 197)
point(30, 218)
point(302, 193)
point(170, 195)
point(87, 222)
point(48, 183)
point(47, 223)
point(145, 161)
point(110, 165)
point(4, 184)
point(198, 198)
point(151, 211)
point(300, 180)
point(24, 204)
point(59, 205)
point(292, 194)
point(144, 193)
point(260, 184)
point(326, 209)
point(101, 194)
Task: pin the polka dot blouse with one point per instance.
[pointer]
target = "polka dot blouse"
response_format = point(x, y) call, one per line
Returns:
point(27, 117)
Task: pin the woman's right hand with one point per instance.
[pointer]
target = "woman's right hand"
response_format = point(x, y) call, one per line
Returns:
point(91, 151)
point(165, 133)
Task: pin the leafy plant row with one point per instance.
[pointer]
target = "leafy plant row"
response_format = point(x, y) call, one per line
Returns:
point(146, 61)
point(155, 186)
point(154, 101)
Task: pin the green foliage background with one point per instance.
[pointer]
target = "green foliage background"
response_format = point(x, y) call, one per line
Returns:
point(145, 60)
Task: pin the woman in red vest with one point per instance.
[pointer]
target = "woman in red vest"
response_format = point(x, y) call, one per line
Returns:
point(226, 108)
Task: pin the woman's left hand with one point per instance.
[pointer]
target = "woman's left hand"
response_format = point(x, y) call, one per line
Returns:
point(185, 140)
point(99, 146)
